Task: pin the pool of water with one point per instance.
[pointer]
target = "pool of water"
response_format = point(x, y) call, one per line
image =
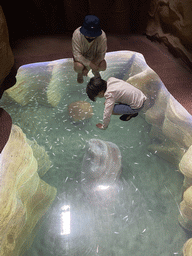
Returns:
point(140, 216)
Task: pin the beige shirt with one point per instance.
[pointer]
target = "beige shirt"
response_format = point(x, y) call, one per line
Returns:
point(84, 52)
point(119, 91)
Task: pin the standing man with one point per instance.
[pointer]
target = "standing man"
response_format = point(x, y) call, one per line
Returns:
point(89, 45)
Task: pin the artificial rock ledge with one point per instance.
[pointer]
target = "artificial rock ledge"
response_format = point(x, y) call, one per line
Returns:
point(6, 55)
point(24, 197)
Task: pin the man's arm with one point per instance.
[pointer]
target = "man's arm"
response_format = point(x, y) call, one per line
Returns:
point(102, 49)
point(76, 49)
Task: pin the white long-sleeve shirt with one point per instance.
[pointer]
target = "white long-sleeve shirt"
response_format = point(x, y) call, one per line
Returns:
point(84, 52)
point(119, 91)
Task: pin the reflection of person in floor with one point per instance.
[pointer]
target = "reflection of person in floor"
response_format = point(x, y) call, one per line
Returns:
point(89, 45)
point(121, 98)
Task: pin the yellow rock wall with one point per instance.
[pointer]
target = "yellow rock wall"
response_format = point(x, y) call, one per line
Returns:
point(24, 197)
point(48, 81)
point(171, 132)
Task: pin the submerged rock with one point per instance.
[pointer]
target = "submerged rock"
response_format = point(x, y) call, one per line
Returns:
point(187, 248)
point(101, 165)
point(168, 151)
point(41, 156)
point(80, 110)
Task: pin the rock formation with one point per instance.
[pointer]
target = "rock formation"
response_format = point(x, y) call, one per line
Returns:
point(5, 127)
point(171, 131)
point(185, 217)
point(101, 165)
point(187, 248)
point(24, 197)
point(185, 167)
point(41, 156)
point(44, 82)
point(170, 22)
point(6, 55)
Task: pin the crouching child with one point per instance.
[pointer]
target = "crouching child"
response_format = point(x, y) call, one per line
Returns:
point(121, 98)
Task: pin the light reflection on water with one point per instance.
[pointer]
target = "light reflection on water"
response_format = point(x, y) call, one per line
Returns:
point(138, 214)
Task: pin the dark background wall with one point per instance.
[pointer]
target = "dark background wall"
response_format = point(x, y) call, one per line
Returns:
point(45, 17)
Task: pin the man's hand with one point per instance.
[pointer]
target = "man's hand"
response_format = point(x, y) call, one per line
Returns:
point(85, 72)
point(94, 67)
point(100, 126)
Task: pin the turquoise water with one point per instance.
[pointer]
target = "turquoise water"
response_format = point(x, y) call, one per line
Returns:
point(140, 217)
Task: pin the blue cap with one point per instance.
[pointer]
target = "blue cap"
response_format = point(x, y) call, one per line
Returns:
point(91, 26)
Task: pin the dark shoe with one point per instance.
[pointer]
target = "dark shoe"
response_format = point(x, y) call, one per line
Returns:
point(127, 117)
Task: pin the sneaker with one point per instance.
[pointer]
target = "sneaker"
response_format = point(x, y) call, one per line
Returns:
point(127, 117)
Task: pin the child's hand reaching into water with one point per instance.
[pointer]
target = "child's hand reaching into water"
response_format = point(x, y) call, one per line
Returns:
point(100, 126)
